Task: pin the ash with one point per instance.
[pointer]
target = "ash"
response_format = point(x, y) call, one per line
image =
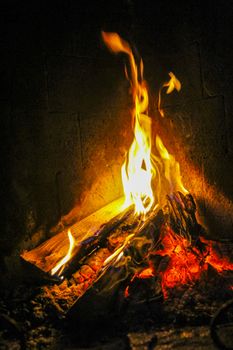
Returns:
point(145, 320)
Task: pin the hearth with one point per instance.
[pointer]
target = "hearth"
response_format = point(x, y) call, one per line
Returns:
point(118, 183)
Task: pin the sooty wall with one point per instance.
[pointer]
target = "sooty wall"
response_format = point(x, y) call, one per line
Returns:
point(65, 102)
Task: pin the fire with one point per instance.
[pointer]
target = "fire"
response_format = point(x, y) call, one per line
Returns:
point(137, 170)
point(185, 263)
point(168, 253)
point(118, 253)
point(220, 264)
point(172, 84)
point(148, 272)
point(184, 260)
point(140, 168)
point(171, 168)
point(61, 264)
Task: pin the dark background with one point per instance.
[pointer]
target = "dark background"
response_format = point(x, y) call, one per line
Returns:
point(64, 107)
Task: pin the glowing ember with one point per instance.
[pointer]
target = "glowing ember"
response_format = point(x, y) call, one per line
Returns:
point(61, 264)
point(148, 272)
point(185, 263)
point(220, 264)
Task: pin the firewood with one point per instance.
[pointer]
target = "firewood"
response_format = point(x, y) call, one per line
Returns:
point(95, 242)
point(127, 242)
point(178, 214)
point(87, 233)
point(182, 216)
point(115, 275)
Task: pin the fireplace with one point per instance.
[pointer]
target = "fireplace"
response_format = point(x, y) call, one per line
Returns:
point(67, 127)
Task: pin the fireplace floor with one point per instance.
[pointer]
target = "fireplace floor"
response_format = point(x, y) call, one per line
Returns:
point(28, 321)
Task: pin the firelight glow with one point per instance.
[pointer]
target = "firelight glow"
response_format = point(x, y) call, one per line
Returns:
point(61, 264)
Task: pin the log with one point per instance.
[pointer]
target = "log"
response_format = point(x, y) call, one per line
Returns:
point(103, 293)
point(87, 233)
point(115, 275)
point(181, 218)
point(108, 255)
point(95, 242)
point(64, 294)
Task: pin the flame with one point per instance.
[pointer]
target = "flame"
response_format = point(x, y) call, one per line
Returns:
point(171, 168)
point(118, 253)
point(137, 170)
point(172, 84)
point(141, 166)
point(61, 264)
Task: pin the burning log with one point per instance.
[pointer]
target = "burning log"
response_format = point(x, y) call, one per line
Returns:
point(182, 216)
point(98, 240)
point(134, 255)
point(87, 233)
point(118, 269)
point(111, 250)
point(149, 257)
point(105, 262)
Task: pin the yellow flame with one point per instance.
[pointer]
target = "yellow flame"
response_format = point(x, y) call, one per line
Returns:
point(172, 84)
point(61, 264)
point(171, 168)
point(137, 170)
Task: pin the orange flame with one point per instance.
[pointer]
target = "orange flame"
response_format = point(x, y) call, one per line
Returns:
point(172, 84)
point(138, 170)
point(61, 264)
point(171, 168)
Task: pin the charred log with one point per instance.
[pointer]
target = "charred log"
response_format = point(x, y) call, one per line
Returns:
point(115, 275)
point(182, 216)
